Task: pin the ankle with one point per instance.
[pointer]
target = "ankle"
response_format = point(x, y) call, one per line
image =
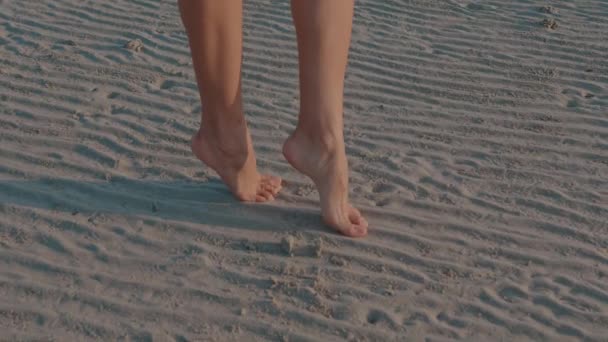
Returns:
point(328, 141)
point(222, 121)
point(230, 143)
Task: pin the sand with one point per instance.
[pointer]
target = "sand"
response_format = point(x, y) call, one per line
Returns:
point(477, 133)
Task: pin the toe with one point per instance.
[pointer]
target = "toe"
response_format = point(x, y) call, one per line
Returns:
point(355, 217)
point(264, 196)
point(260, 198)
point(269, 196)
point(349, 229)
point(272, 180)
point(271, 188)
point(355, 231)
point(268, 187)
point(271, 184)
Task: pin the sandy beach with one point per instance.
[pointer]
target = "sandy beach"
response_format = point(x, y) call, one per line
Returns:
point(477, 134)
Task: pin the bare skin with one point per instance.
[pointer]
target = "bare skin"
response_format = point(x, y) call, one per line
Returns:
point(235, 165)
point(223, 141)
point(316, 148)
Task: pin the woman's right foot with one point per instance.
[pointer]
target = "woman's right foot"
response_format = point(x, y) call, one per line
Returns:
point(324, 161)
point(233, 158)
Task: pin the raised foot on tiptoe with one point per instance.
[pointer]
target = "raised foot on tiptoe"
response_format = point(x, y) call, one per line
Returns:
point(324, 161)
point(233, 159)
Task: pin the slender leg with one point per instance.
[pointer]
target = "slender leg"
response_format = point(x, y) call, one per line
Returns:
point(316, 148)
point(214, 29)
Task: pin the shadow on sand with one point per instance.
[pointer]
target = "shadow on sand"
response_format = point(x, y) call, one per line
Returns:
point(207, 203)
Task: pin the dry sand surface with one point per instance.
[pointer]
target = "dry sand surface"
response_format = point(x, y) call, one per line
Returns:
point(477, 134)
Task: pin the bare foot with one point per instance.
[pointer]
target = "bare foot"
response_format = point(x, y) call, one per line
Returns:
point(325, 163)
point(233, 158)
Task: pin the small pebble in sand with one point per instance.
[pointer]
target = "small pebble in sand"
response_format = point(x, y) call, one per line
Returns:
point(68, 42)
point(550, 23)
point(389, 292)
point(274, 282)
point(448, 272)
point(135, 45)
point(287, 245)
point(337, 261)
point(549, 9)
